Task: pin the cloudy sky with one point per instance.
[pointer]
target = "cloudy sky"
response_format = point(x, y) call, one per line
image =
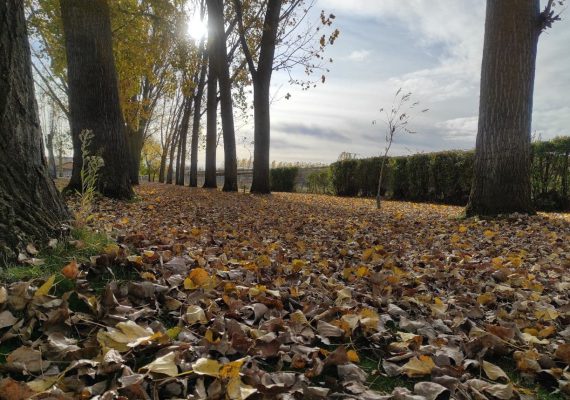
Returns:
point(432, 48)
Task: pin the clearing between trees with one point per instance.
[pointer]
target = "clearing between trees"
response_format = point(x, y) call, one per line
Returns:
point(230, 295)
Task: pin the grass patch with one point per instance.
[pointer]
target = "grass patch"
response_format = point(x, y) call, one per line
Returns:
point(386, 385)
point(90, 244)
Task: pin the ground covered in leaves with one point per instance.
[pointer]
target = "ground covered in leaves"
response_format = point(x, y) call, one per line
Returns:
point(209, 295)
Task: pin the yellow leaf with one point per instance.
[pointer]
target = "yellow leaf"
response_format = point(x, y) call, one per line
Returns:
point(206, 366)
point(489, 234)
point(44, 289)
point(485, 298)
point(353, 356)
point(367, 254)
point(462, 229)
point(362, 271)
point(231, 370)
point(165, 365)
point(197, 278)
point(174, 332)
point(546, 314)
point(418, 366)
point(111, 249)
point(195, 231)
point(547, 332)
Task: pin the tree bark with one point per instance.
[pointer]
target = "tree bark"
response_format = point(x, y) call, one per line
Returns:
point(51, 156)
point(184, 126)
point(197, 118)
point(31, 209)
point(261, 83)
point(261, 136)
point(503, 153)
point(217, 33)
point(94, 95)
point(211, 121)
point(135, 141)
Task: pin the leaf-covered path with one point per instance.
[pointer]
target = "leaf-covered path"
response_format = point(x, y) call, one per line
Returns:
point(298, 296)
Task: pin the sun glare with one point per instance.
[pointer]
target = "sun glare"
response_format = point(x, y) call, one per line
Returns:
point(197, 29)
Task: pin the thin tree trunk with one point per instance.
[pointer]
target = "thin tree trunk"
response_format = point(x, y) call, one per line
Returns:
point(31, 209)
point(211, 121)
point(51, 156)
point(94, 94)
point(184, 126)
point(162, 168)
point(196, 119)
point(503, 153)
point(169, 174)
point(216, 25)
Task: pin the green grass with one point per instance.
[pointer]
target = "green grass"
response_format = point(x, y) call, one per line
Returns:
point(55, 259)
point(386, 385)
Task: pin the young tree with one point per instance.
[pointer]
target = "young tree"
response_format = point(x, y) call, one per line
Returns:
point(397, 121)
point(501, 181)
point(94, 96)
point(30, 206)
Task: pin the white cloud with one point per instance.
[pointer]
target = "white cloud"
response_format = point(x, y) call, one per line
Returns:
point(359, 55)
point(430, 47)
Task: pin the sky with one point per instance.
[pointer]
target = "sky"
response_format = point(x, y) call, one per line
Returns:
point(432, 48)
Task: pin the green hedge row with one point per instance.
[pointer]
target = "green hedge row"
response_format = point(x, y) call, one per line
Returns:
point(446, 176)
point(283, 179)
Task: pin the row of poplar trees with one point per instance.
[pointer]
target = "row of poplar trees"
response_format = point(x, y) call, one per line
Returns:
point(31, 209)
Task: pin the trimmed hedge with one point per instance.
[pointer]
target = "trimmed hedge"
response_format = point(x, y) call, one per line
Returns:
point(283, 179)
point(445, 177)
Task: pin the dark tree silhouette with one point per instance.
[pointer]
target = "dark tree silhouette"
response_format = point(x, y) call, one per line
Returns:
point(30, 206)
point(94, 95)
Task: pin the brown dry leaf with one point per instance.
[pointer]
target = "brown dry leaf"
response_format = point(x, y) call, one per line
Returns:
point(14, 390)
point(494, 372)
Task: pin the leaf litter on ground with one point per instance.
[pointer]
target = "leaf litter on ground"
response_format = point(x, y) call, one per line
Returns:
point(281, 297)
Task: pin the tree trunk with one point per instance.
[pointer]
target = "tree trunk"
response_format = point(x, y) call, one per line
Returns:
point(162, 168)
point(135, 142)
point(261, 82)
point(94, 95)
point(261, 136)
point(216, 30)
point(197, 117)
point(184, 126)
point(172, 161)
point(502, 156)
point(211, 121)
point(51, 156)
point(31, 209)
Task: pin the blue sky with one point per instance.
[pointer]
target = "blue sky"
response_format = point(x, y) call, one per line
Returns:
point(430, 47)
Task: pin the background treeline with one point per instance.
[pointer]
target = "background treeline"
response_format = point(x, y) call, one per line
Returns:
point(445, 177)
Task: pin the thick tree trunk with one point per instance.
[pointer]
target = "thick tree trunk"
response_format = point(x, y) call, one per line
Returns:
point(502, 157)
point(211, 121)
point(184, 126)
point(216, 25)
point(196, 120)
point(94, 95)
point(262, 126)
point(31, 209)
point(261, 82)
